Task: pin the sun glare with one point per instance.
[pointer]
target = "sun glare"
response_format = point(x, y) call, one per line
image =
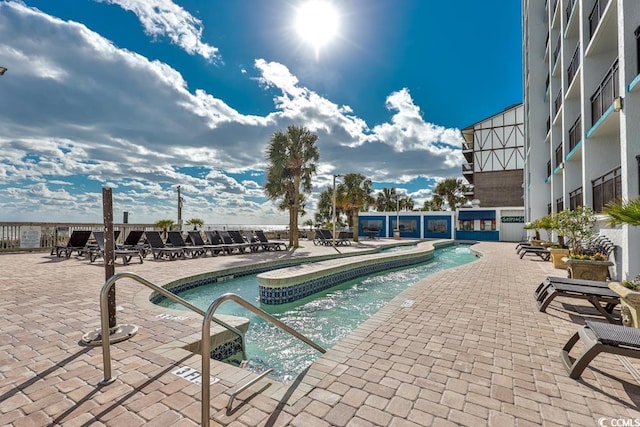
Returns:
point(317, 23)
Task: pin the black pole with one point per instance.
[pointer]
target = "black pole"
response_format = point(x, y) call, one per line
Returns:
point(109, 253)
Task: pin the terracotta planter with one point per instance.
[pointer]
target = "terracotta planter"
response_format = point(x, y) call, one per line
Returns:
point(587, 269)
point(557, 257)
point(630, 302)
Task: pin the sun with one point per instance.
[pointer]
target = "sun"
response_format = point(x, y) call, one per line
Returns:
point(317, 23)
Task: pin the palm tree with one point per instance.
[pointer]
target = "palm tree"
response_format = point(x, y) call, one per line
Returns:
point(354, 194)
point(291, 156)
point(451, 190)
point(386, 200)
point(433, 204)
point(621, 212)
point(164, 225)
point(325, 204)
point(196, 222)
point(407, 203)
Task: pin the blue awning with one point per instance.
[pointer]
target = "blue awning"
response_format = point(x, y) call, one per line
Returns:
point(476, 214)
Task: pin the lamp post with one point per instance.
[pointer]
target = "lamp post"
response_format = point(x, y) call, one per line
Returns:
point(179, 209)
point(397, 236)
point(333, 211)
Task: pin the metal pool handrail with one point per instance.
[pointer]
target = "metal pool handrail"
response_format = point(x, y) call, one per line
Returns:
point(206, 326)
point(104, 316)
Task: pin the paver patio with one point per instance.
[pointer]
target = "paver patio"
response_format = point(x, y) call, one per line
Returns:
point(472, 350)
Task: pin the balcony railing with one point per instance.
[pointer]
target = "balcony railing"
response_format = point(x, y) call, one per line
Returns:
point(548, 124)
point(606, 188)
point(557, 103)
point(605, 93)
point(467, 168)
point(574, 65)
point(549, 168)
point(559, 205)
point(558, 156)
point(575, 134)
point(596, 15)
point(569, 8)
point(575, 198)
point(556, 51)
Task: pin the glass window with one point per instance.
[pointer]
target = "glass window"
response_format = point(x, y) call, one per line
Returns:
point(437, 225)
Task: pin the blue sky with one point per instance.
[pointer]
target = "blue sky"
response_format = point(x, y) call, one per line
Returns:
point(142, 96)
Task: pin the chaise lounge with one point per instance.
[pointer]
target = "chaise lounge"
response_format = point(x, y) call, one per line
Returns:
point(126, 254)
point(601, 297)
point(77, 242)
point(266, 244)
point(600, 338)
point(158, 248)
point(177, 241)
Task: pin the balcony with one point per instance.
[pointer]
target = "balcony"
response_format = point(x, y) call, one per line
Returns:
point(569, 9)
point(549, 168)
point(467, 168)
point(575, 134)
point(606, 188)
point(575, 198)
point(605, 93)
point(596, 15)
point(556, 51)
point(548, 124)
point(557, 103)
point(574, 65)
point(558, 157)
point(559, 205)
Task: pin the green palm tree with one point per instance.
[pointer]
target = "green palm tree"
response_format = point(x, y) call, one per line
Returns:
point(451, 190)
point(196, 222)
point(353, 195)
point(433, 204)
point(164, 225)
point(386, 200)
point(325, 204)
point(407, 203)
point(623, 212)
point(292, 157)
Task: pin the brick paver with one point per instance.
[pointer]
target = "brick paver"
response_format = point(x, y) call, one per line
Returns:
point(472, 350)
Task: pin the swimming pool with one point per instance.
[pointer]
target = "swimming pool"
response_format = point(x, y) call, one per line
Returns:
point(325, 317)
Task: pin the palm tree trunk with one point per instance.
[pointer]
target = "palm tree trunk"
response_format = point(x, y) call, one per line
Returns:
point(355, 226)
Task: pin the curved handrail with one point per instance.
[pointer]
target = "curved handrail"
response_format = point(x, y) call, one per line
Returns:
point(104, 315)
point(206, 326)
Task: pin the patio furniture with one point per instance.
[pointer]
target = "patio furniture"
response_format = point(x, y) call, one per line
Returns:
point(600, 338)
point(158, 248)
point(77, 242)
point(126, 254)
point(177, 241)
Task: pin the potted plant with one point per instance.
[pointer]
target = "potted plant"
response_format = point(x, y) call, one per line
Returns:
point(621, 212)
point(579, 226)
point(559, 251)
point(535, 226)
point(629, 291)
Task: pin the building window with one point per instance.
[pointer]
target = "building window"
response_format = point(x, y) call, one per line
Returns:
point(548, 208)
point(437, 226)
point(559, 205)
point(575, 198)
point(606, 188)
point(605, 93)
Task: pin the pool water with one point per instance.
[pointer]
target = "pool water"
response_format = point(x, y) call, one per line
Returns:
point(325, 317)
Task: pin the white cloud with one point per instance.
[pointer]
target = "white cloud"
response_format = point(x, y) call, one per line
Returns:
point(165, 18)
point(119, 118)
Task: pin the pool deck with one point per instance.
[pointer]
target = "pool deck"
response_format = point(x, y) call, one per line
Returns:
point(465, 346)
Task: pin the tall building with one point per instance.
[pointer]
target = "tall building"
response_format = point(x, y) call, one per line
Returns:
point(582, 111)
point(493, 150)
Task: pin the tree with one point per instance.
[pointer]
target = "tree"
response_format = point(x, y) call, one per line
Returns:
point(325, 205)
point(451, 190)
point(433, 204)
point(353, 195)
point(578, 225)
point(407, 203)
point(196, 222)
point(386, 200)
point(164, 225)
point(621, 212)
point(292, 157)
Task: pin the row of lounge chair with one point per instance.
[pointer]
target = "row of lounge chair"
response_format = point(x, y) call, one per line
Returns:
point(325, 237)
point(139, 243)
point(600, 244)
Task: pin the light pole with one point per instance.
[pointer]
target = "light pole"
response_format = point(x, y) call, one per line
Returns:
point(179, 209)
point(333, 211)
point(397, 236)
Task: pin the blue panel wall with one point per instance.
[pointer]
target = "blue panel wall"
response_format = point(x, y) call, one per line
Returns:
point(414, 233)
point(434, 230)
point(379, 220)
point(485, 236)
